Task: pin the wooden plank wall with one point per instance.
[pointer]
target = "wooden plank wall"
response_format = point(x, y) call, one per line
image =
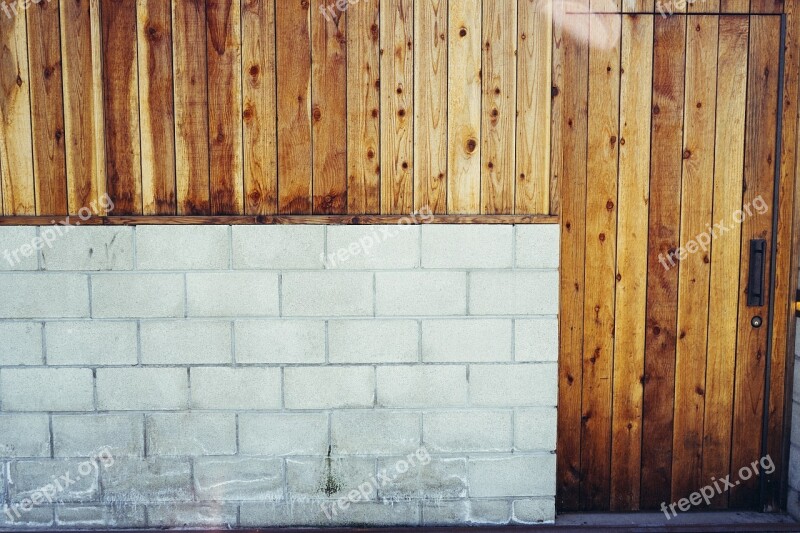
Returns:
point(277, 107)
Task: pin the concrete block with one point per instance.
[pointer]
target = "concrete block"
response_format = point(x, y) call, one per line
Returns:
point(434, 479)
point(232, 294)
point(87, 435)
point(182, 248)
point(466, 512)
point(280, 341)
point(468, 431)
point(142, 389)
point(195, 433)
point(329, 387)
point(146, 481)
point(137, 295)
point(372, 247)
point(374, 432)
point(41, 295)
point(522, 385)
point(517, 292)
point(470, 340)
point(30, 480)
point(186, 342)
point(328, 478)
point(236, 388)
point(89, 248)
point(420, 293)
point(233, 478)
point(535, 429)
point(373, 341)
point(536, 339)
point(20, 343)
point(23, 435)
point(73, 516)
point(91, 343)
point(18, 248)
point(278, 247)
point(272, 434)
point(327, 294)
point(46, 389)
point(534, 511)
point(422, 386)
point(538, 246)
point(467, 246)
point(521, 475)
point(218, 515)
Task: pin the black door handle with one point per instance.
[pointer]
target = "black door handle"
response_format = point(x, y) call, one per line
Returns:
point(755, 280)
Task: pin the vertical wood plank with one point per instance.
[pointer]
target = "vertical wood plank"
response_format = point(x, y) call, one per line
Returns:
point(15, 120)
point(499, 85)
point(693, 270)
point(601, 229)
point(671, 7)
point(329, 111)
point(759, 175)
point(293, 56)
point(735, 6)
point(47, 115)
point(121, 101)
point(534, 90)
point(397, 106)
point(224, 48)
point(464, 105)
point(363, 109)
point(83, 115)
point(156, 108)
point(704, 6)
point(569, 159)
point(767, 6)
point(663, 236)
point(725, 251)
point(259, 107)
point(631, 289)
point(191, 106)
point(637, 6)
point(430, 105)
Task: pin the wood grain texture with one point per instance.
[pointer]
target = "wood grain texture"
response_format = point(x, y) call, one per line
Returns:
point(704, 6)
point(534, 109)
point(631, 261)
point(293, 63)
point(192, 165)
point(259, 107)
point(121, 101)
point(663, 237)
point(464, 107)
point(224, 49)
point(363, 109)
point(430, 105)
point(637, 6)
point(498, 110)
point(156, 107)
point(601, 229)
point(397, 106)
point(759, 176)
point(734, 6)
point(569, 159)
point(767, 6)
point(47, 115)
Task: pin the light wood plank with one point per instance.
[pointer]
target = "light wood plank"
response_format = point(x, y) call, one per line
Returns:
point(191, 106)
point(47, 115)
point(704, 6)
point(363, 109)
point(534, 95)
point(735, 6)
point(397, 106)
point(767, 6)
point(464, 105)
point(637, 6)
point(631, 289)
point(499, 86)
point(156, 108)
point(224, 48)
point(259, 107)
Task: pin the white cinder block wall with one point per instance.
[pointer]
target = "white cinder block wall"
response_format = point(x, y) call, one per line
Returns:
point(250, 376)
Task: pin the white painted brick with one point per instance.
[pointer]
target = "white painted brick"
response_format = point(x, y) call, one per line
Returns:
point(535, 429)
point(420, 293)
point(795, 436)
point(23, 435)
point(329, 387)
point(283, 433)
point(41, 295)
point(794, 467)
point(464, 340)
point(186, 342)
point(466, 512)
point(468, 431)
point(298, 513)
point(89, 248)
point(218, 515)
point(793, 504)
point(236, 478)
point(373, 247)
point(467, 246)
point(323, 478)
point(517, 292)
point(280, 341)
point(422, 386)
point(538, 246)
point(521, 475)
point(534, 511)
point(46, 389)
point(233, 294)
point(191, 434)
point(433, 479)
point(278, 247)
point(20, 343)
point(514, 385)
point(302, 513)
point(98, 516)
point(374, 432)
point(182, 248)
point(36, 518)
point(536, 339)
point(327, 294)
point(17, 248)
point(141, 389)
point(91, 343)
point(86, 435)
point(29, 477)
point(137, 295)
point(236, 388)
point(150, 480)
point(373, 341)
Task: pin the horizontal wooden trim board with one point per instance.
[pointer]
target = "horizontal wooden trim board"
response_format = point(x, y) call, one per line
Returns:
point(348, 220)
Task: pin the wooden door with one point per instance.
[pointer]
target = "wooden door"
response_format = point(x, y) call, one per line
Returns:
point(668, 162)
